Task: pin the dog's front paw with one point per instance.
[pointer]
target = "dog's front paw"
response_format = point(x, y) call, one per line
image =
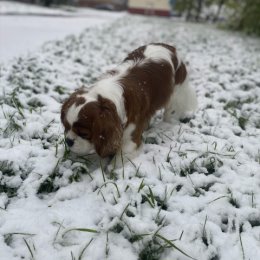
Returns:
point(117, 162)
point(120, 159)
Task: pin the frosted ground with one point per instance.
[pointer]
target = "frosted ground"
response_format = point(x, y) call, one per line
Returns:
point(195, 185)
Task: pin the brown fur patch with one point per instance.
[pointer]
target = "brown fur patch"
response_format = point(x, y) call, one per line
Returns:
point(137, 54)
point(147, 88)
point(181, 72)
point(79, 101)
point(68, 103)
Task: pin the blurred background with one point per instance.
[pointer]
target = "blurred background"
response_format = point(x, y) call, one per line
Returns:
point(239, 14)
point(26, 24)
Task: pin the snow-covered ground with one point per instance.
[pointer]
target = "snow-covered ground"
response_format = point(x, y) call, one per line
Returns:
point(195, 185)
point(12, 7)
point(25, 28)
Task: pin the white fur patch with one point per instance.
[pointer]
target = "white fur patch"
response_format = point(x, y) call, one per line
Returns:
point(182, 103)
point(128, 146)
point(72, 114)
point(125, 66)
point(80, 146)
point(158, 53)
point(177, 55)
point(110, 88)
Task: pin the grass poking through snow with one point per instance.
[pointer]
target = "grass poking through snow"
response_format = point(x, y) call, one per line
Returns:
point(154, 207)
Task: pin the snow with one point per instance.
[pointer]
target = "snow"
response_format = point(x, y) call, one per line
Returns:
point(24, 28)
point(195, 183)
point(11, 7)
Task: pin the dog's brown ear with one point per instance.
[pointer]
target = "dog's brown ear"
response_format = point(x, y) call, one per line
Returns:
point(108, 129)
point(106, 104)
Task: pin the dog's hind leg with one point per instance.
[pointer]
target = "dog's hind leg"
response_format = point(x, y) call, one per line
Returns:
point(183, 102)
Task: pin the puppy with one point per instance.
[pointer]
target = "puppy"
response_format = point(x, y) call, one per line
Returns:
point(110, 116)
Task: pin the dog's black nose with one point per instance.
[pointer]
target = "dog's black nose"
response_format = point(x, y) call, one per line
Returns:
point(69, 142)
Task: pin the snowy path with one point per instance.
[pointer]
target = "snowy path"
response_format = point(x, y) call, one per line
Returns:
point(30, 26)
point(22, 34)
point(195, 184)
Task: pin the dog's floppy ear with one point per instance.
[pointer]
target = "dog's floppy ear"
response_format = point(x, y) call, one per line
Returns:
point(108, 129)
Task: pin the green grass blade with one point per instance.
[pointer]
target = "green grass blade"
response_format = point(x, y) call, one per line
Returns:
point(30, 250)
point(88, 230)
point(124, 211)
point(172, 245)
point(141, 185)
point(110, 182)
point(151, 195)
point(84, 249)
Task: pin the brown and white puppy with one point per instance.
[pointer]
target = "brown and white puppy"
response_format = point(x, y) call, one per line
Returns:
point(110, 117)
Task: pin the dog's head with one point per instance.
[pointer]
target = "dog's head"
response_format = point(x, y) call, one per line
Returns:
point(91, 124)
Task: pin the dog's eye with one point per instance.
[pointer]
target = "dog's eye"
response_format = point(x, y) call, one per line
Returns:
point(81, 131)
point(84, 134)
